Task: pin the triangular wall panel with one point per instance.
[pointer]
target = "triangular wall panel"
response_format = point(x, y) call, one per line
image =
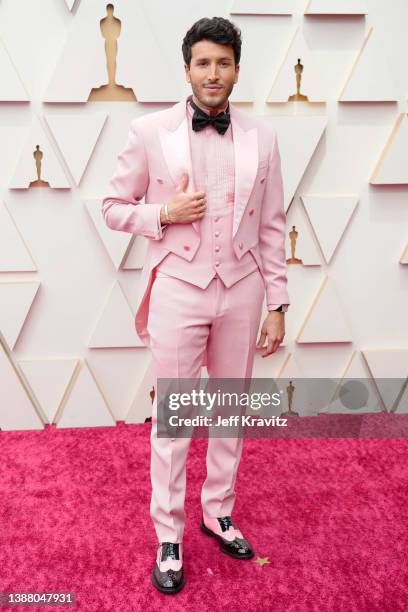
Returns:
point(392, 167)
point(389, 369)
point(85, 405)
point(18, 412)
point(51, 171)
point(48, 379)
point(296, 152)
point(262, 7)
point(312, 84)
point(306, 397)
point(82, 65)
point(11, 85)
point(136, 258)
point(404, 256)
point(329, 216)
point(15, 302)
point(304, 243)
point(401, 404)
point(268, 367)
point(14, 254)
point(116, 325)
point(370, 79)
point(76, 136)
point(325, 321)
point(336, 7)
point(290, 368)
point(141, 407)
point(117, 244)
point(356, 392)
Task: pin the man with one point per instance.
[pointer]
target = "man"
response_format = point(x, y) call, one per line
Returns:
point(215, 219)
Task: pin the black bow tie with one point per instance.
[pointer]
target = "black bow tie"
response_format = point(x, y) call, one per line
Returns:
point(201, 119)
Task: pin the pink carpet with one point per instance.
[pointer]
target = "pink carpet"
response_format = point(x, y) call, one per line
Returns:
point(330, 515)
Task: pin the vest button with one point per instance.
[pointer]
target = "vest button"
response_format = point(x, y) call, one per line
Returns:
point(251, 212)
point(217, 263)
point(217, 234)
point(186, 247)
point(241, 245)
point(216, 219)
point(217, 248)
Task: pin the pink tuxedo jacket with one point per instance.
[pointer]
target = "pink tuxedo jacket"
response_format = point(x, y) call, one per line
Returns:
point(156, 154)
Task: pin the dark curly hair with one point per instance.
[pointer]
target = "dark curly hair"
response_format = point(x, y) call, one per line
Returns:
point(216, 29)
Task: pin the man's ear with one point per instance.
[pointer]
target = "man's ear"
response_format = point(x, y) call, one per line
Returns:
point(236, 73)
point(187, 72)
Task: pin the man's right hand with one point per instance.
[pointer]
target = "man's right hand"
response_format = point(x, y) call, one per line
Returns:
point(185, 207)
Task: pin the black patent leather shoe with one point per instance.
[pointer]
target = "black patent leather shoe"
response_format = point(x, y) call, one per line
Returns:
point(238, 548)
point(169, 581)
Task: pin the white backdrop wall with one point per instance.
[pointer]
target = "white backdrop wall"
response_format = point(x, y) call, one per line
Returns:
point(62, 274)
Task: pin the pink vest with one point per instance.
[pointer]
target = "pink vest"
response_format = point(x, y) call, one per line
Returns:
point(212, 156)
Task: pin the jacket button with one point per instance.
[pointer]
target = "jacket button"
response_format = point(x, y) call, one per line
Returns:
point(262, 179)
point(241, 245)
point(251, 212)
point(159, 180)
point(186, 247)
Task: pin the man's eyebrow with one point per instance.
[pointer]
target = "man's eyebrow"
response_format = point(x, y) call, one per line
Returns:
point(199, 59)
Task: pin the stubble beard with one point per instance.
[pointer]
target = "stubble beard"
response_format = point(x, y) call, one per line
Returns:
point(212, 101)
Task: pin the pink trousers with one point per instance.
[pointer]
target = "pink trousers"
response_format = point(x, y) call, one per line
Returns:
point(183, 320)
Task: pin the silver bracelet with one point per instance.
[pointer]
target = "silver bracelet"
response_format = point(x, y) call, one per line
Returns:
point(166, 212)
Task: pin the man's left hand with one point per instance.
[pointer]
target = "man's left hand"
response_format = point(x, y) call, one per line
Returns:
point(273, 328)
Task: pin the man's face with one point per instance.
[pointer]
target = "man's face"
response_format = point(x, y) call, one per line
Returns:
point(212, 73)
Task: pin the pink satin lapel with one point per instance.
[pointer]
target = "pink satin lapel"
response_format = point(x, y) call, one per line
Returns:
point(175, 144)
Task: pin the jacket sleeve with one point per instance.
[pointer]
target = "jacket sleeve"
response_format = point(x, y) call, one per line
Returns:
point(272, 231)
point(121, 209)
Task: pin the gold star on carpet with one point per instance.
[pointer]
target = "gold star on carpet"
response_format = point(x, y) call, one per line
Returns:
point(261, 560)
